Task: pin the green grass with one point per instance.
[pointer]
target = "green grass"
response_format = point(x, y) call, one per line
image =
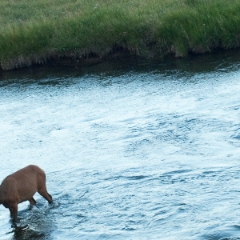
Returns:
point(34, 31)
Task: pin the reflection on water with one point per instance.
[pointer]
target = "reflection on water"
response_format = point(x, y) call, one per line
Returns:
point(27, 234)
point(132, 150)
point(37, 223)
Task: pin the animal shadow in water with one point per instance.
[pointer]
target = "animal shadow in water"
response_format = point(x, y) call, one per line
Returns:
point(26, 233)
point(35, 223)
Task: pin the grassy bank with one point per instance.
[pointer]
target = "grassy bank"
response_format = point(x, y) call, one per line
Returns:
point(34, 31)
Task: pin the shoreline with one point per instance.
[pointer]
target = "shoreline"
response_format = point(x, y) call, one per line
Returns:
point(86, 32)
point(120, 54)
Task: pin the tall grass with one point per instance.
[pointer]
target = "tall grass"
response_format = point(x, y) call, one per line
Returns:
point(33, 31)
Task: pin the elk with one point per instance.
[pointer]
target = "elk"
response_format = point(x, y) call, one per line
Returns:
point(21, 186)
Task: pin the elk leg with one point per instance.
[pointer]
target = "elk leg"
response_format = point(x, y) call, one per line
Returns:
point(46, 195)
point(11, 212)
point(32, 201)
point(14, 211)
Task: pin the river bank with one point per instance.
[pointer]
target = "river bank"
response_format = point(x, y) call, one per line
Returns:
point(36, 32)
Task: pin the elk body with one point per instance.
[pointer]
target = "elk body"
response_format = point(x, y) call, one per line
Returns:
point(21, 186)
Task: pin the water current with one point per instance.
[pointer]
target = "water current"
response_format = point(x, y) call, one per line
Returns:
point(131, 149)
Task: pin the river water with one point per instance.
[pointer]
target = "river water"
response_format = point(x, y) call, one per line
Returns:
point(132, 150)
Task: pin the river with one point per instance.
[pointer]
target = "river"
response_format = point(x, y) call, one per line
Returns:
point(131, 149)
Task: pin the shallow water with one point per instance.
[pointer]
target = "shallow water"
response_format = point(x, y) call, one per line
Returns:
point(131, 150)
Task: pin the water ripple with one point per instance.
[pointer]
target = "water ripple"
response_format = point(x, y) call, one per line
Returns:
point(140, 154)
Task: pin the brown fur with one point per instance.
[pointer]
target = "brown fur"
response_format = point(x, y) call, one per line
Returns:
point(21, 186)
